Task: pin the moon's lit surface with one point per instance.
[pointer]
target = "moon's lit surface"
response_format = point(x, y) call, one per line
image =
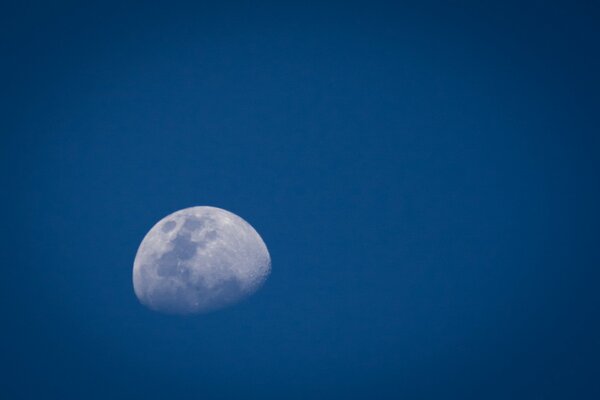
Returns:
point(199, 259)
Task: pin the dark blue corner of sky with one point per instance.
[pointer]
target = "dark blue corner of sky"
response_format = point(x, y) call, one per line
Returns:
point(425, 176)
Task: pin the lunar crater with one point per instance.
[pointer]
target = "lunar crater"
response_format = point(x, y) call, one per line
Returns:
point(169, 226)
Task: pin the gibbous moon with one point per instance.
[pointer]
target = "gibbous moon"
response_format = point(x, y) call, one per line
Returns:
point(197, 260)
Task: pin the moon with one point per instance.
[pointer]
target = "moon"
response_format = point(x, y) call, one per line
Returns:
point(197, 260)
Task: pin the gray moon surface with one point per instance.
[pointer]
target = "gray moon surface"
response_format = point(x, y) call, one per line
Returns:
point(197, 260)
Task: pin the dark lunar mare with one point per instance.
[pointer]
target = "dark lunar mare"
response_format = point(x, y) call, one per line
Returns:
point(170, 265)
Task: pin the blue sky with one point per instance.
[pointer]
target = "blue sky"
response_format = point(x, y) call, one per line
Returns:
point(424, 176)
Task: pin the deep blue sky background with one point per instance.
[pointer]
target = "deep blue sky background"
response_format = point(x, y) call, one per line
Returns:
point(425, 177)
